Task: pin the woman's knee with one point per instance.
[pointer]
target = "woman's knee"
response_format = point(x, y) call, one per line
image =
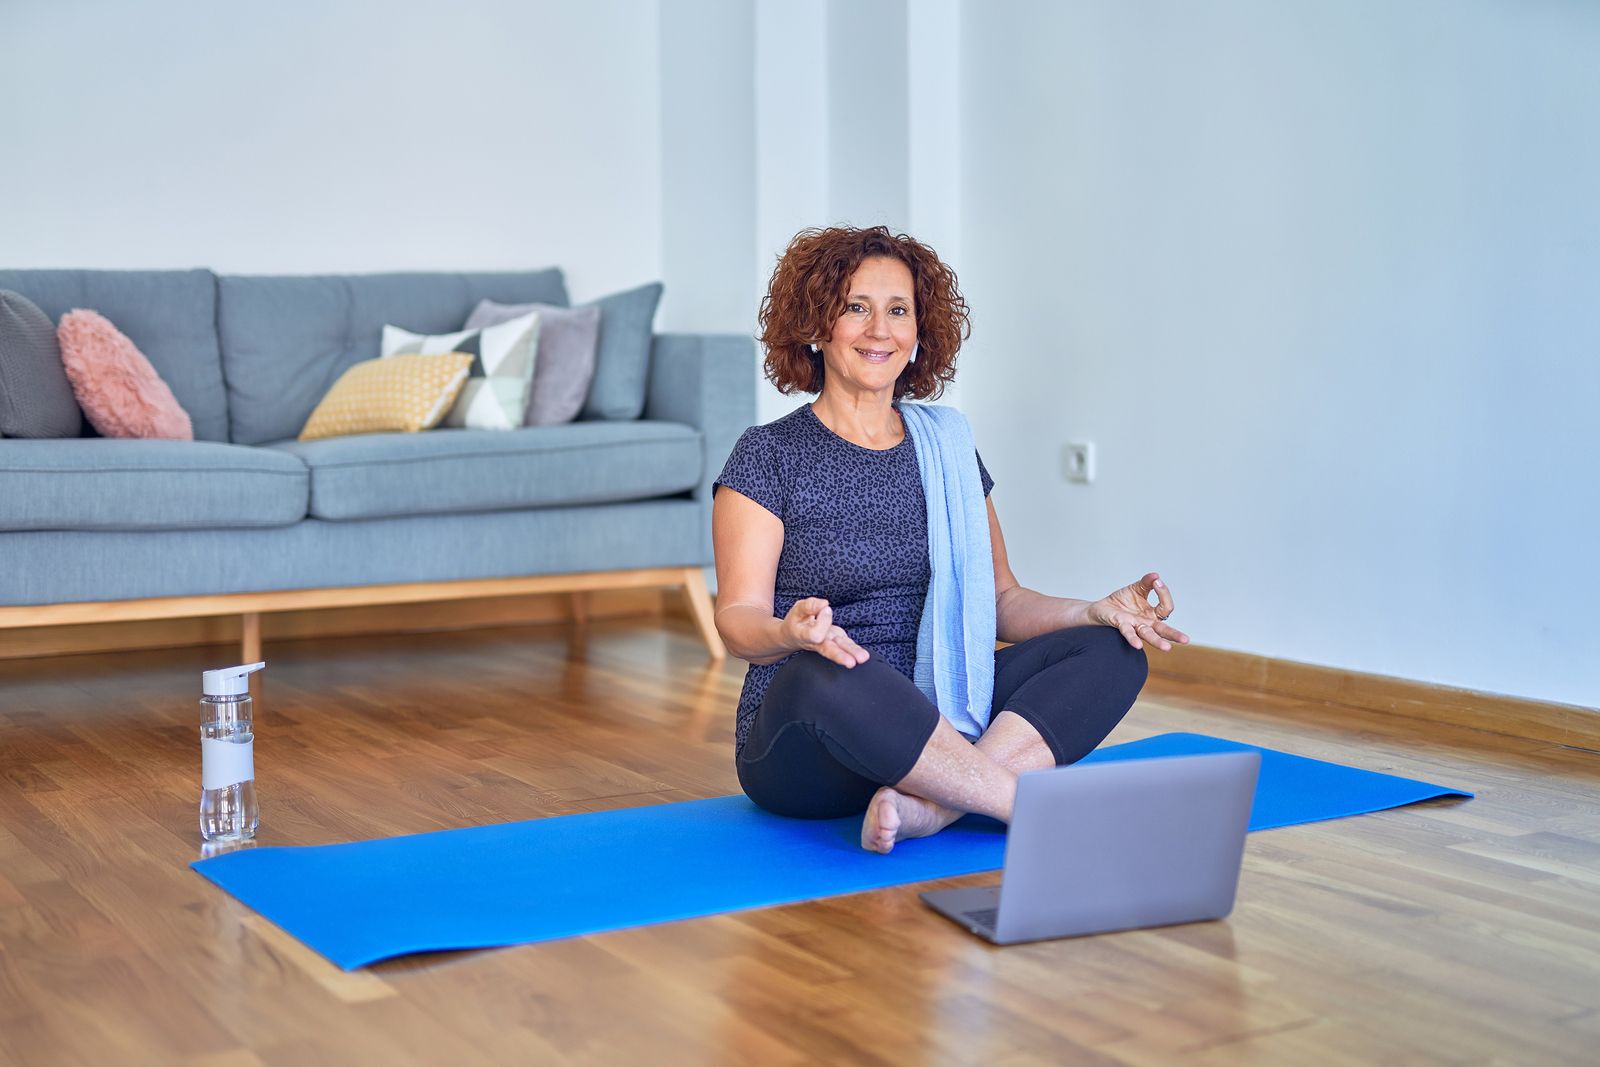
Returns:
point(798, 777)
point(807, 681)
point(812, 688)
point(865, 707)
point(1133, 662)
point(802, 673)
point(871, 719)
point(1104, 645)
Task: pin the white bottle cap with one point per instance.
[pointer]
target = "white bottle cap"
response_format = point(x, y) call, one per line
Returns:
point(229, 681)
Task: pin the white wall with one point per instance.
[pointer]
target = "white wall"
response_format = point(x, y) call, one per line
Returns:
point(309, 136)
point(1317, 278)
point(792, 148)
point(833, 134)
point(935, 144)
point(1320, 280)
point(868, 143)
point(708, 154)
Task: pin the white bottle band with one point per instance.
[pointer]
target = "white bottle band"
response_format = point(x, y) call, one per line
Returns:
point(225, 763)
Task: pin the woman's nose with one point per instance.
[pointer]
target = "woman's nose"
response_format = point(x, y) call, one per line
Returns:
point(877, 324)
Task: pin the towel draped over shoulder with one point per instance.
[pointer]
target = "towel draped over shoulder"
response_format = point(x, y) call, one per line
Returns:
point(955, 641)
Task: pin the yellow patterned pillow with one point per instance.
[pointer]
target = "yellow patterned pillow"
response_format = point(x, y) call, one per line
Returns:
point(401, 393)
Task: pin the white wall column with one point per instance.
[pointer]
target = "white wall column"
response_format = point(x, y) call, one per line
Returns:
point(933, 124)
point(708, 164)
point(792, 146)
point(868, 155)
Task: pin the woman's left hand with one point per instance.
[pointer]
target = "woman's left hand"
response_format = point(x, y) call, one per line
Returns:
point(1129, 610)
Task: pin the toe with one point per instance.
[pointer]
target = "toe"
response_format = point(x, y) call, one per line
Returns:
point(881, 826)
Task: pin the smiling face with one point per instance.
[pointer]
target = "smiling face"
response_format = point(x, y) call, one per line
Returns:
point(873, 339)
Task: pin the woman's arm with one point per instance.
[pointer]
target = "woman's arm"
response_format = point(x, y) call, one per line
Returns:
point(1021, 613)
point(747, 540)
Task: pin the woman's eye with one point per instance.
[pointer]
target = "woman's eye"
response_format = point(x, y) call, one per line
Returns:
point(855, 307)
point(902, 312)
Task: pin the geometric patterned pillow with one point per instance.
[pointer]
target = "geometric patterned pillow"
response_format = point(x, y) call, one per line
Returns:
point(399, 395)
point(564, 367)
point(495, 396)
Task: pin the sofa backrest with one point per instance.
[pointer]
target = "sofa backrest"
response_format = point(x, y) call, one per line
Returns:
point(286, 338)
point(171, 315)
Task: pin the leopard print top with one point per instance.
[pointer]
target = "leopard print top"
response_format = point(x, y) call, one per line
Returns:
point(855, 531)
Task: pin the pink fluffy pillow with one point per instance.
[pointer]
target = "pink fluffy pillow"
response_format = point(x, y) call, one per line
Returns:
point(118, 389)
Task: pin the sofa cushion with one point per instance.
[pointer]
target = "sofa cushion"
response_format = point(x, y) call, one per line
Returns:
point(171, 315)
point(381, 475)
point(35, 397)
point(315, 554)
point(109, 484)
point(286, 339)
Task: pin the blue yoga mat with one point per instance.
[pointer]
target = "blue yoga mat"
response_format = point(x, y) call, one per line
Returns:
point(581, 874)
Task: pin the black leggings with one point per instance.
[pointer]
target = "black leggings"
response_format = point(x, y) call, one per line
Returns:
point(826, 737)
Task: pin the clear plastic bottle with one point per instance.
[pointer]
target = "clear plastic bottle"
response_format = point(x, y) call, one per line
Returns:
point(228, 810)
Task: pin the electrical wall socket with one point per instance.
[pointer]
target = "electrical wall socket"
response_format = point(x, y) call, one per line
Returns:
point(1077, 461)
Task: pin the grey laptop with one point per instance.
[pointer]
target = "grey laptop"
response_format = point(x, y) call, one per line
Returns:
point(1113, 846)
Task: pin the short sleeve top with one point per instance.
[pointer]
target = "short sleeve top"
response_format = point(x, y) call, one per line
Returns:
point(855, 531)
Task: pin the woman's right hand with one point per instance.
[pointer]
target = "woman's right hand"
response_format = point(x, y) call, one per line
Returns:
point(809, 627)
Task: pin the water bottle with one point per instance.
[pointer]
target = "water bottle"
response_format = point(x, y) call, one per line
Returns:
point(228, 809)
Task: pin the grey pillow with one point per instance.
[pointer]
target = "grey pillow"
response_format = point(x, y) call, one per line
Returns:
point(35, 397)
point(622, 366)
point(563, 366)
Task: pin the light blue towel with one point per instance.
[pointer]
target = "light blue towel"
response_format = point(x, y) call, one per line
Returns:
point(955, 640)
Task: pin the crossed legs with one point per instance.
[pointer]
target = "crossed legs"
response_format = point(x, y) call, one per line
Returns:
point(954, 776)
point(830, 741)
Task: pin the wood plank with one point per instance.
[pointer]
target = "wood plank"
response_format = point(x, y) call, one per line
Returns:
point(71, 639)
point(346, 596)
point(1563, 724)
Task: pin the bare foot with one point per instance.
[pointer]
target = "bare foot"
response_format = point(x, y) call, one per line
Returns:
point(894, 816)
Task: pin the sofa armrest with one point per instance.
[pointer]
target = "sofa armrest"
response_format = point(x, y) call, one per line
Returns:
point(707, 381)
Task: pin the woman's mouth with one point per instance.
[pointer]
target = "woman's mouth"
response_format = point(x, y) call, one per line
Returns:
point(872, 355)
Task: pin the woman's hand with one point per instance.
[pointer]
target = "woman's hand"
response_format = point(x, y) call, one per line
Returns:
point(809, 627)
point(1130, 611)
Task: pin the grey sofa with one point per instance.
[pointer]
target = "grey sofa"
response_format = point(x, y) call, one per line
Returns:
point(245, 519)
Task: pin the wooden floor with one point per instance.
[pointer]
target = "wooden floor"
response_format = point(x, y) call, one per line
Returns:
point(1447, 932)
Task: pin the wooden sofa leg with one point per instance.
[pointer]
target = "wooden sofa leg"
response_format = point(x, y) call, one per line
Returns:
point(250, 637)
point(698, 597)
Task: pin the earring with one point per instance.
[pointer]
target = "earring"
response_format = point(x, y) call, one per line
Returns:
point(914, 350)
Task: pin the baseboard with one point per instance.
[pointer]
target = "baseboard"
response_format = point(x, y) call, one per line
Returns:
point(1564, 724)
point(28, 642)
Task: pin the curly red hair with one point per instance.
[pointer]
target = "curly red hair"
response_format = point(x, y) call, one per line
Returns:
point(807, 294)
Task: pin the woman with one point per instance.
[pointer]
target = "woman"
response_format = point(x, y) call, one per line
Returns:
point(821, 534)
